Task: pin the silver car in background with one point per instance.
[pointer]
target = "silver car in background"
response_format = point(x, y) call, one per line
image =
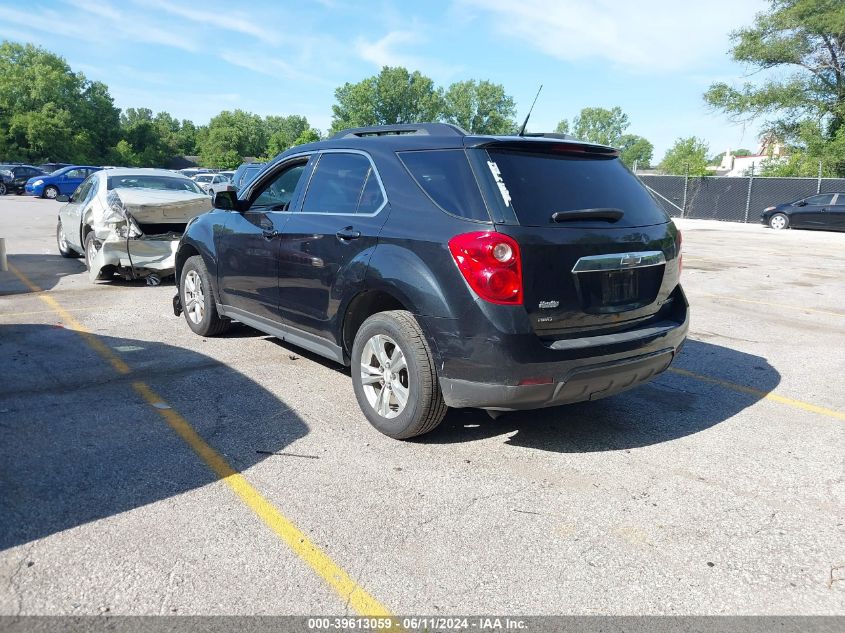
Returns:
point(128, 222)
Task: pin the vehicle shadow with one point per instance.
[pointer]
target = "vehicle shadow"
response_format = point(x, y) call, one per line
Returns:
point(671, 406)
point(79, 444)
point(43, 270)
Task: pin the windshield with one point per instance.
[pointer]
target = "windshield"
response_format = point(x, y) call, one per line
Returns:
point(203, 178)
point(539, 185)
point(167, 183)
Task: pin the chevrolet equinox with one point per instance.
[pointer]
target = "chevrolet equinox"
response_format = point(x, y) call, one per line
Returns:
point(446, 269)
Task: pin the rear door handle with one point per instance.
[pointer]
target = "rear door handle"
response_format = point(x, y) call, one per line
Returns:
point(269, 235)
point(348, 234)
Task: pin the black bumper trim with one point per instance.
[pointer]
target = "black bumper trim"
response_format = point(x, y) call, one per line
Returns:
point(584, 383)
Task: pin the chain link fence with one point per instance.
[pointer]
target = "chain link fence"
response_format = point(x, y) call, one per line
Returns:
point(733, 199)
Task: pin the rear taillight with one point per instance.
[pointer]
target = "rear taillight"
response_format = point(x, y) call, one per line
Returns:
point(680, 254)
point(491, 264)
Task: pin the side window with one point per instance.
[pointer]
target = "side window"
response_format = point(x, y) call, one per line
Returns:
point(343, 183)
point(76, 173)
point(824, 198)
point(446, 177)
point(81, 193)
point(278, 193)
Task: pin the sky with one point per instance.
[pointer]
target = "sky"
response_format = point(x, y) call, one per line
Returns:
point(652, 58)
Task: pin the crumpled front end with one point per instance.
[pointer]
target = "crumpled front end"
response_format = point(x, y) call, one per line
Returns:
point(136, 236)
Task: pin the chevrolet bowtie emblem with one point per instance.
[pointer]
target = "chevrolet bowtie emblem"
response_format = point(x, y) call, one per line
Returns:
point(630, 260)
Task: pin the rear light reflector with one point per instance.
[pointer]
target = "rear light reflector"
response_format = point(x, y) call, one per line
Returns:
point(545, 380)
point(491, 264)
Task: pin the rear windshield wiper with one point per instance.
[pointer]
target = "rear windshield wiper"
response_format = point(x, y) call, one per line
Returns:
point(608, 215)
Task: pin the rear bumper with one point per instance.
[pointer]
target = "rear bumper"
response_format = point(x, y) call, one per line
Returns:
point(487, 371)
point(147, 256)
point(585, 383)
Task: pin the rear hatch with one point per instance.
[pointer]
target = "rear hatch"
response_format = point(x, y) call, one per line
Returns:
point(599, 255)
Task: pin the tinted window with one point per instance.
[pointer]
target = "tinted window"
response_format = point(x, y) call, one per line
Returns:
point(371, 196)
point(446, 177)
point(540, 185)
point(338, 184)
point(825, 198)
point(279, 193)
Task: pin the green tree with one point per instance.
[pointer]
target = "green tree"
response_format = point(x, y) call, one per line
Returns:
point(311, 135)
point(479, 107)
point(283, 131)
point(232, 135)
point(49, 112)
point(186, 139)
point(686, 156)
point(562, 127)
point(635, 149)
point(600, 125)
point(146, 136)
point(393, 96)
point(800, 46)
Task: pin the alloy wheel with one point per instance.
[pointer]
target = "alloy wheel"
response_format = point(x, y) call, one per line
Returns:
point(384, 376)
point(194, 298)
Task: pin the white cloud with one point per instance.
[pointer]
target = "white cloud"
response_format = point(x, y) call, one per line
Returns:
point(383, 52)
point(654, 35)
point(227, 20)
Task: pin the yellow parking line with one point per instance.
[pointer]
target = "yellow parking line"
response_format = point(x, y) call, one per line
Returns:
point(351, 592)
point(798, 404)
point(10, 315)
point(769, 303)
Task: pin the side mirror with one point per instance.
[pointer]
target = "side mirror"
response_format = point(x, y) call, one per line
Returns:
point(226, 201)
point(63, 198)
point(803, 203)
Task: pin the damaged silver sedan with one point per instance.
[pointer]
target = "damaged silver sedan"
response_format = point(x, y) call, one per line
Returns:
point(128, 222)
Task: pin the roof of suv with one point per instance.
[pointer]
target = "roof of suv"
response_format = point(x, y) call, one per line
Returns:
point(413, 136)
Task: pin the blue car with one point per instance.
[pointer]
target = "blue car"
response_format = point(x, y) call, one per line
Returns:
point(63, 181)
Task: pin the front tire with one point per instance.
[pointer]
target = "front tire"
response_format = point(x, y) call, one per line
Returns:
point(3, 189)
point(51, 192)
point(61, 241)
point(779, 222)
point(394, 376)
point(198, 303)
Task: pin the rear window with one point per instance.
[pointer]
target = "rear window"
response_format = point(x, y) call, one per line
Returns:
point(167, 183)
point(539, 185)
point(445, 176)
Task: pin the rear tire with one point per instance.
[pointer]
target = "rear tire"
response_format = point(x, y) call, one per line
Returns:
point(91, 248)
point(61, 241)
point(198, 299)
point(2, 188)
point(779, 222)
point(394, 376)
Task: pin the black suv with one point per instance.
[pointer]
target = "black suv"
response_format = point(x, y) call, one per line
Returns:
point(448, 270)
point(13, 177)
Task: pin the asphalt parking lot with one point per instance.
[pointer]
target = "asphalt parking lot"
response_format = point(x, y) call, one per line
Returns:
point(145, 470)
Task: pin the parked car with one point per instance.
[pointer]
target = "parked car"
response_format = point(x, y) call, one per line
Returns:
point(13, 177)
point(245, 173)
point(62, 181)
point(211, 182)
point(51, 167)
point(128, 221)
point(448, 270)
point(823, 211)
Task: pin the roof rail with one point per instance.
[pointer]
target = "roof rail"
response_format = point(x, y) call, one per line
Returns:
point(422, 129)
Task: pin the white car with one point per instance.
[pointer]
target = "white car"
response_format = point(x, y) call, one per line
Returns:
point(129, 221)
point(212, 183)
